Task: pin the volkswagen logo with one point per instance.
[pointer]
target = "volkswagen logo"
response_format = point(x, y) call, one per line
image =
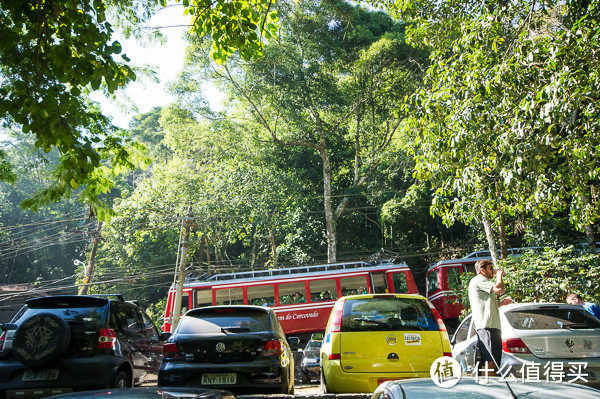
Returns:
point(391, 339)
point(570, 343)
point(220, 347)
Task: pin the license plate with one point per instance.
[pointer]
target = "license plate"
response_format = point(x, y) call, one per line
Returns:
point(40, 375)
point(219, 379)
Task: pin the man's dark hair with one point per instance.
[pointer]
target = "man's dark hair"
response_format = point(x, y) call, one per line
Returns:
point(573, 295)
point(482, 264)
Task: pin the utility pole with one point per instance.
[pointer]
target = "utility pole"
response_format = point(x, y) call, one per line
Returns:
point(180, 268)
point(83, 290)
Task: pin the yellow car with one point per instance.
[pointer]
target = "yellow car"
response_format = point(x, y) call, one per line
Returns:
point(373, 338)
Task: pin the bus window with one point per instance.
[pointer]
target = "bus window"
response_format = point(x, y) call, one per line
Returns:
point(185, 302)
point(203, 298)
point(291, 293)
point(453, 277)
point(229, 296)
point(261, 295)
point(432, 281)
point(354, 285)
point(322, 290)
point(379, 286)
point(400, 284)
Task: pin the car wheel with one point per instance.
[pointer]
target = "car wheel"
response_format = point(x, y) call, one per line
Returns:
point(324, 389)
point(121, 380)
point(41, 339)
point(305, 379)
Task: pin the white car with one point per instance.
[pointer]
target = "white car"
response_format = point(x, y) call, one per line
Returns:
point(541, 341)
point(470, 388)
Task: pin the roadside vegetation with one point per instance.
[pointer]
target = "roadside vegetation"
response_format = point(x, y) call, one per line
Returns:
point(426, 128)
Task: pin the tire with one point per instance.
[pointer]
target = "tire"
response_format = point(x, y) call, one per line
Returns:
point(121, 380)
point(324, 389)
point(41, 339)
point(305, 379)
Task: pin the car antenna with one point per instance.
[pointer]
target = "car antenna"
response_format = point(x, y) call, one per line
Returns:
point(487, 347)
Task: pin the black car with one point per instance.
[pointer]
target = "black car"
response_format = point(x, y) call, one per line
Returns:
point(238, 348)
point(73, 343)
point(311, 361)
point(150, 393)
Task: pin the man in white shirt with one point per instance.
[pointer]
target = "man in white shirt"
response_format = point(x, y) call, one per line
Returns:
point(486, 316)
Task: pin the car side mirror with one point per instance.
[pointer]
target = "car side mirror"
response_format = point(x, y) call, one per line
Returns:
point(165, 336)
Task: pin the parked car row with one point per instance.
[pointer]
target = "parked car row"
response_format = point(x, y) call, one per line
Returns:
point(80, 346)
point(61, 344)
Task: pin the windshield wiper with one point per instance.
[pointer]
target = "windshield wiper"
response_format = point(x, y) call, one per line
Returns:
point(569, 326)
point(234, 329)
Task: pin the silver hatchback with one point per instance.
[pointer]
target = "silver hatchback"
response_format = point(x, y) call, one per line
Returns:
point(540, 342)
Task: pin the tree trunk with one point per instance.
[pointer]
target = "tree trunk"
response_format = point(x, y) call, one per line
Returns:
point(591, 238)
point(83, 290)
point(273, 246)
point(330, 223)
point(503, 248)
point(490, 237)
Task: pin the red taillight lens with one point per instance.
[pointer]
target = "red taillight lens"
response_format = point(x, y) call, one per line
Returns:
point(170, 351)
point(338, 313)
point(438, 318)
point(107, 338)
point(514, 345)
point(272, 348)
point(448, 354)
point(336, 325)
point(334, 356)
point(2, 337)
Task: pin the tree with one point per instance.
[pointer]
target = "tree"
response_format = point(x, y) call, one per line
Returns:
point(505, 125)
point(333, 80)
point(51, 55)
point(54, 53)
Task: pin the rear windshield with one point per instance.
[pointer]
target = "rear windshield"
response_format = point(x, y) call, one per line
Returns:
point(84, 322)
point(387, 314)
point(313, 345)
point(551, 318)
point(226, 321)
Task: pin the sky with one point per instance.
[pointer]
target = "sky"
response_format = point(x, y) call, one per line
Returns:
point(167, 58)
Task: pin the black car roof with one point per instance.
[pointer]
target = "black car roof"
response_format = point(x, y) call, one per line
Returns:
point(66, 301)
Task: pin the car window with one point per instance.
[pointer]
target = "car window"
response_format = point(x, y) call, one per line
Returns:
point(553, 318)
point(85, 323)
point(463, 331)
point(128, 319)
point(387, 314)
point(313, 345)
point(234, 321)
point(149, 329)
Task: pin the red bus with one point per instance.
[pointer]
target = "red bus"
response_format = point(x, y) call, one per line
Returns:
point(301, 296)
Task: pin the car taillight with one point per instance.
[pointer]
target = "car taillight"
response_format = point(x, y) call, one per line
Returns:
point(2, 337)
point(338, 313)
point(272, 348)
point(438, 318)
point(448, 354)
point(170, 351)
point(334, 356)
point(514, 345)
point(107, 338)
